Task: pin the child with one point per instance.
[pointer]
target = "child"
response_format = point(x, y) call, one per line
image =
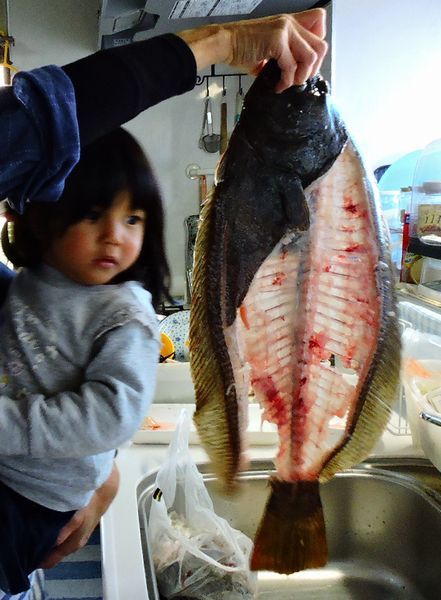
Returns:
point(79, 344)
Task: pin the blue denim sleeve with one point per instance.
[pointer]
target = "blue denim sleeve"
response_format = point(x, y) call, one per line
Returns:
point(40, 138)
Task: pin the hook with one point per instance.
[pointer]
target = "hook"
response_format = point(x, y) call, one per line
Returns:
point(200, 79)
point(224, 91)
point(208, 88)
point(240, 85)
point(192, 171)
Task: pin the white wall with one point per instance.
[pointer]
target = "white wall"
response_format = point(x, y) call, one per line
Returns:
point(387, 74)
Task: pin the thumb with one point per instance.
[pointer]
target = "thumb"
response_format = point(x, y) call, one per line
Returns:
point(75, 523)
point(256, 70)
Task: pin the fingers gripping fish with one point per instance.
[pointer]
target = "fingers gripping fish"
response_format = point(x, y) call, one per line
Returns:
point(293, 298)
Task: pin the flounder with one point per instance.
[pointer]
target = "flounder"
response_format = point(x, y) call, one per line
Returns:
point(293, 299)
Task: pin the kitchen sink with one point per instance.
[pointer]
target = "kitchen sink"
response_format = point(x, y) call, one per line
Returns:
point(383, 522)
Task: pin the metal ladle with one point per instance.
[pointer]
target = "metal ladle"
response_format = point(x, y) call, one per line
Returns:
point(210, 141)
point(204, 119)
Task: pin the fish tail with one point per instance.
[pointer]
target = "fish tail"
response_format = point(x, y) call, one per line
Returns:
point(291, 536)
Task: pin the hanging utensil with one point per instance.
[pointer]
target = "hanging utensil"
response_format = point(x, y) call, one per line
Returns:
point(204, 118)
point(224, 127)
point(239, 101)
point(210, 140)
point(191, 228)
point(204, 125)
point(202, 189)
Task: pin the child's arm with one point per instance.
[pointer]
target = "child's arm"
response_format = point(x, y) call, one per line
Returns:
point(102, 414)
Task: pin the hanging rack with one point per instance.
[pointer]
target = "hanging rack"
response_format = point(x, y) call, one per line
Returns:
point(206, 78)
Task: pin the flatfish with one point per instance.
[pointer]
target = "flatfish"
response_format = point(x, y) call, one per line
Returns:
point(293, 300)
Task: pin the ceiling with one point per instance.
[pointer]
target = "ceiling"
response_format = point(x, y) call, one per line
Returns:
point(124, 21)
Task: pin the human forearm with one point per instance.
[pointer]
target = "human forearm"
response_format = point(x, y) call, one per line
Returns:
point(210, 45)
point(296, 41)
point(113, 86)
point(103, 413)
point(65, 425)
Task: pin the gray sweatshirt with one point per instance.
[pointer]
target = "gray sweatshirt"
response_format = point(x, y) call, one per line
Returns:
point(77, 375)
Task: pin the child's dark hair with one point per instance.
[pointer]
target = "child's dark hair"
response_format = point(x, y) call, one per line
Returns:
point(112, 164)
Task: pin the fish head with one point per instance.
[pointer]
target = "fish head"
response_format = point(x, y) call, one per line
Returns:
point(296, 131)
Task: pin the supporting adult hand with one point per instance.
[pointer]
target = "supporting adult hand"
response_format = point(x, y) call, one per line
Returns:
point(296, 41)
point(76, 533)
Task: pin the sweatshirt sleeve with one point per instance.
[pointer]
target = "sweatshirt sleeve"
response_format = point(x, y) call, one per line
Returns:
point(104, 413)
point(39, 136)
point(48, 113)
point(114, 85)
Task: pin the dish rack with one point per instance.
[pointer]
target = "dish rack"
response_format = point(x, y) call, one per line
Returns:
point(398, 424)
point(426, 318)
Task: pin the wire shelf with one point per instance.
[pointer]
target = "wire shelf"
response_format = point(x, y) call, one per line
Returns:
point(398, 424)
point(422, 316)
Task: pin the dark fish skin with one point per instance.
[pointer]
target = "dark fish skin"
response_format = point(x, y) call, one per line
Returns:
point(282, 143)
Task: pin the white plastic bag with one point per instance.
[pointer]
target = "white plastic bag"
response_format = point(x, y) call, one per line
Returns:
point(421, 377)
point(197, 554)
point(421, 365)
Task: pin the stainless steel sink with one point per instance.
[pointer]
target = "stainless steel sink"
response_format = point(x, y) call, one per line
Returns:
point(383, 523)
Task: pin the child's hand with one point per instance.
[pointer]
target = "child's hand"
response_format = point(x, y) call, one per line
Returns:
point(76, 533)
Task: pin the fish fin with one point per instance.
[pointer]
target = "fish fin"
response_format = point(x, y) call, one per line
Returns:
point(379, 395)
point(216, 409)
point(294, 202)
point(292, 535)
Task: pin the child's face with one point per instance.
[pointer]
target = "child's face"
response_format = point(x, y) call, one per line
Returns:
point(101, 246)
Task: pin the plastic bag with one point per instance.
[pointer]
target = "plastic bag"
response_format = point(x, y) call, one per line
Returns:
point(421, 377)
point(197, 554)
point(421, 365)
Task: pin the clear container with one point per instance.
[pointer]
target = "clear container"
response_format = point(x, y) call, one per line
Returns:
point(431, 270)
point(405, 201)
point(390, 205)
point(426, 196)
point(395, 205)
point(430, 281)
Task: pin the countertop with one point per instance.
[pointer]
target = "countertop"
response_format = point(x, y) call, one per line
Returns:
point(122, 559)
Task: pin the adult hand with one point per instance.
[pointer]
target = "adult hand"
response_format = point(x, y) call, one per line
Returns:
point(75, 534)
point(296, 41)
